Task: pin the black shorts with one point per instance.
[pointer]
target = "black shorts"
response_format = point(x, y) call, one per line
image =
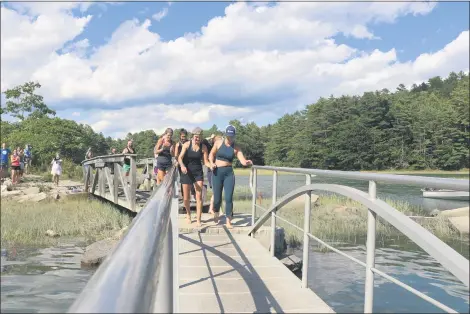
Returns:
point(16, 168)
point(192, 176)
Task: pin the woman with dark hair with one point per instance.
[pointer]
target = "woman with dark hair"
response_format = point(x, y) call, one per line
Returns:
point(193, 155)
point(221, 158)
point(178, 148)
point(165, 149)
point(15, 167)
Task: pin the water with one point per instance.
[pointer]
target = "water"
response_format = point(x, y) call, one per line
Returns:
point(42, 280)
point(340, 282)
point(407, 193)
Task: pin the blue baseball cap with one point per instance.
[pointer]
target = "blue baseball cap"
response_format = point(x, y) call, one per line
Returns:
point(230, 131)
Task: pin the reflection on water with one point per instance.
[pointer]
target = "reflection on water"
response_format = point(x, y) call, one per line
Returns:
point(410, 194)
point(340, 282)
point(42, 280)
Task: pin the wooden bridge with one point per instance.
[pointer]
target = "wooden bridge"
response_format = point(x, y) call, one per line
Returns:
point(104, 177)
point(165, 265)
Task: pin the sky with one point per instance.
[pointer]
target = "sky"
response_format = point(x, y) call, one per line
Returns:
point(131, 66)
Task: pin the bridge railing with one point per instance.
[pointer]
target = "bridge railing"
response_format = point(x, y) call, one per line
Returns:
point(444, 254)
point(141, 274)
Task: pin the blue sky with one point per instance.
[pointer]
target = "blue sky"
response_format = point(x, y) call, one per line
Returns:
point(132, 66)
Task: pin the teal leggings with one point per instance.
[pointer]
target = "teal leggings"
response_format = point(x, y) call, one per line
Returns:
point(223, 178)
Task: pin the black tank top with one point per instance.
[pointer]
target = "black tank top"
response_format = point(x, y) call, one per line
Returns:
point(192, 159)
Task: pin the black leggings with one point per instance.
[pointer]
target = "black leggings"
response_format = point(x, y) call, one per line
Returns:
point(223, 178)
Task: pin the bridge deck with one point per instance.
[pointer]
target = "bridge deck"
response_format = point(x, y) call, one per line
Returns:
point(224, 271)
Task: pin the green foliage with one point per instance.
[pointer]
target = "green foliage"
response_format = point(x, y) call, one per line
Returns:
point(22, 99)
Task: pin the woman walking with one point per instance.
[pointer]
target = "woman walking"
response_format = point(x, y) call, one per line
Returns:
point(56, 170)
point(221, 158)
point(178, 148)
point(165, 149)
point(193, 155)
point(15, 167)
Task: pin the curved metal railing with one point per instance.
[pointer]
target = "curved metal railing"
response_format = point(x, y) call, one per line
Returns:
point(444, 254)
point(140, 276)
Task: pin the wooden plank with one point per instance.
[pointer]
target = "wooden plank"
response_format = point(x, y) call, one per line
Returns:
point(109, 179)
point(115, 183)
point(133, 183)
point(125, 187)
point(102, 181)
point(95, 182)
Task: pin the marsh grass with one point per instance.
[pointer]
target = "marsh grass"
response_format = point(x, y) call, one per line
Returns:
point(26, 223)
point(336, 218)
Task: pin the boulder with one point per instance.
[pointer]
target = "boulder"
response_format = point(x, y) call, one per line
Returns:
point(52, 233)
point(301, 199)
point(292, 262)
point(10, 194)
point(461, 223)
point(97, 252)
point(32, 197)
point(31, 190)
point(458, 212)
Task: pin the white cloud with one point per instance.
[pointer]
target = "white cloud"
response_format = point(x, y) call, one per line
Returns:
point(280, 55)
point(160, 14)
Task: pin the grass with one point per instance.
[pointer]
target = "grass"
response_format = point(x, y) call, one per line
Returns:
point(26, 225)
point(335, 218)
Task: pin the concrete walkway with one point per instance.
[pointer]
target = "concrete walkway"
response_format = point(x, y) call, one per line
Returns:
point(225, 272)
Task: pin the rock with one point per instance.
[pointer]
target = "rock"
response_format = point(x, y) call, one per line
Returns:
point(292, 262)
point(120, 234)
point(33, 197)
point(341, 209)
point(9, 194)
point(461, 223)
point(57, 196)
point(52, 233)
point(31, 190)
point(301, 199)
point(97, 252)
point(458, 212)
point(434, 212)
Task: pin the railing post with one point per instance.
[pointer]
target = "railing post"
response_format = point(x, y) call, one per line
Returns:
point(133, 183)
point(273, 216)
point(306, 249)
point(370, 258)
point(253, 208)
point(175, 258)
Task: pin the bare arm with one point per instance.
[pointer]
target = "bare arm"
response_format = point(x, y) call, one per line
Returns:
point(214, 150)
point(184, 148)
point(242, 158)
point(159, 144)
point(205, 156)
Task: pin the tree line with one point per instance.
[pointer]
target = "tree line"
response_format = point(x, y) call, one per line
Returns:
point(424, 127)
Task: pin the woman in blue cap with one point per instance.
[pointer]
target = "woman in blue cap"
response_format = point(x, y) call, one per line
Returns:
point(221, 158)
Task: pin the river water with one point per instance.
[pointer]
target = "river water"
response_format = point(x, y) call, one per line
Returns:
point(407, 193)
point(50, 279)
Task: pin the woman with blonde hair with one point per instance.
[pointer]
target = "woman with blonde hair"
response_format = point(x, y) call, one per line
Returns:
point(165, 148)
point(193, 154)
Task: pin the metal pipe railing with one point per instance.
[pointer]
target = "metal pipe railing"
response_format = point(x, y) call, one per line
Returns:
point(140, 275)
point(449, 258)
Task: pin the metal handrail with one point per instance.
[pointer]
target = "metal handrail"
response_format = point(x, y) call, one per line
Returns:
point(439, 183)
point(448, 257)
point(140, 275)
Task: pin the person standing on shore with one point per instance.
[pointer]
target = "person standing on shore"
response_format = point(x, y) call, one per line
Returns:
point(4, 159)
point(221, 158)
point(193, 155)
point(56, 170)
point(15, 167)
point(165, 149)
point(28, 156)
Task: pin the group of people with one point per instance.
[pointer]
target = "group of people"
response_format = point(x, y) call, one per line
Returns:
point(19, 160)
point(215, 155)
